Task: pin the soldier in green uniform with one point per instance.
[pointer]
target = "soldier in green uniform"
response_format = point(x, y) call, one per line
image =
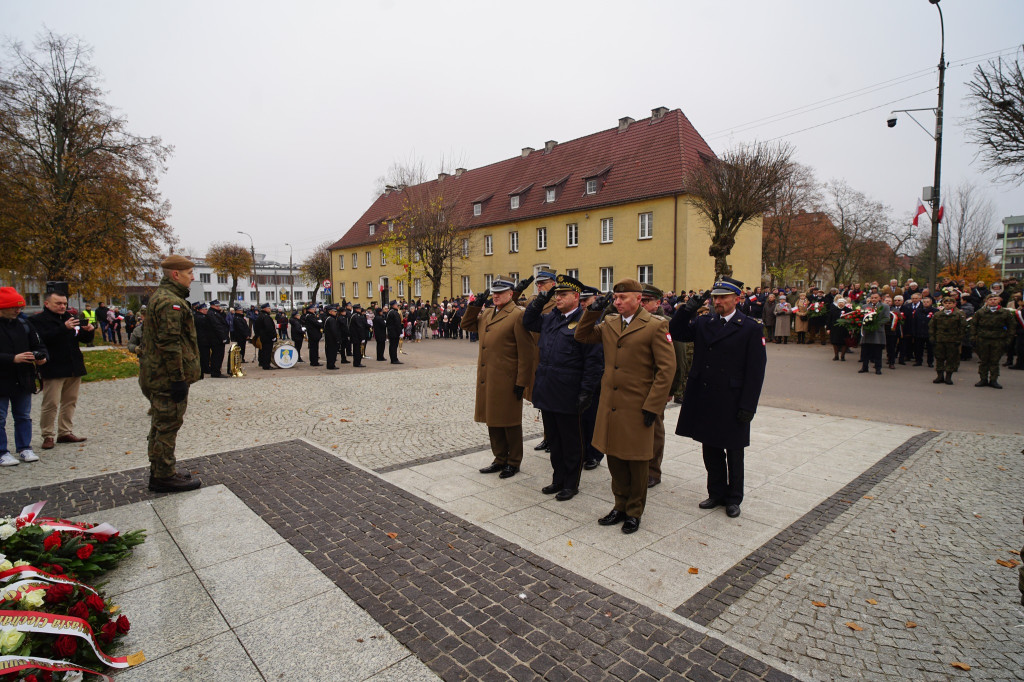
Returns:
point(946, 330)
point(650, 300)
point(991, 329)
point(168, 364)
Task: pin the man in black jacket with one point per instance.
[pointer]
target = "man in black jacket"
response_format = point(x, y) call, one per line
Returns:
point(297, 332)
point(394, 327)
point(62, 375)
point(21, 351)
point(343, 332)
point(221, 336)
point(204, 336)
point(380, 333)
point(332, 334)
point(264, 330)
point(313, 332)
point(240, 332)
point(358, 330)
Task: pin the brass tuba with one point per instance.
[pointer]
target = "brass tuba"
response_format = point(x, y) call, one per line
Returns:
point(235, 360)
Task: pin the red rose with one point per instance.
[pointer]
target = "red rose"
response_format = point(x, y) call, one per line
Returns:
point(101, 537)
point(52, 541)
point(96, 602)
point(65, 646)
point(56, 569)
point(84, 552)
point(107, 632)
point(58, 593)
point(123, 626)
point(31, 678)
point(79, 610)
point(46, 676)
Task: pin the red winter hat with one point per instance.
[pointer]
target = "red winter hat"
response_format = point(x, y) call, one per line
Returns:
point(10, 298)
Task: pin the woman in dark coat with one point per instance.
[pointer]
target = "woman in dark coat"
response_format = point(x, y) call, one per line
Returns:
point(837, 333)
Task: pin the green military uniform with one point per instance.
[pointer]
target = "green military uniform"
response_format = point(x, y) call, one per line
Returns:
point(170, 353)
point(991, 330)
point(654, 471)
point(946, 330)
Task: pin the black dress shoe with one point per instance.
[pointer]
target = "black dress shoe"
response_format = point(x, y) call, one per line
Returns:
point(314, 364)
point(631, 525)
point(613, 517)
point(344, 362)
point(652, 481)
point(862, 370)
point(543, 445)
point(492, 468)
point(333, 368)
point(566, 494)
point(397, 362)
point(591, 464)
point(551, 489)
point(878, 370)
point(359, 365)
point(508, 471)
point(732, 511)
point(709, 504)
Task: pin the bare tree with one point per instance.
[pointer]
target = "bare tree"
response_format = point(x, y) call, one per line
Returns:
point(428, 234)
point(735, 189)
point(784, 237)
point(997, 98)
point(317, 268)
point(861, 225)
point(966, 232)
point(232, 260)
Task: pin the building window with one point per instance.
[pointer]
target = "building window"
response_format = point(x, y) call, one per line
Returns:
point(478, 208)
point(254, 295)
point(646, 225)
point(513, 242)
point(369, 289)
point(487, 281)
point(488, 245)
point(341, 290)
point(355, 289)
point(416, 256)
point(572, 231)
point(799, 285)
point(341, 262)
point(549, 195)
point(592, 186)
point(645, 274)
point(514, 201)
point(222, 279)
point(204, 277)
point(401, 288)
point(207, 296)
point(466, 291)
point(368, 261)
point(224, 296)
point(355, 260)
point(542, 238)
point(514, 276)
point(373, 228)
point(573, 272)
point(417, 287)
point(383, 260)
point(606, 230)
point(606, 279)
point(391, 226)
point(465, 248)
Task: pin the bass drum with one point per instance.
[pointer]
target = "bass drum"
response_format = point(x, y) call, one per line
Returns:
point(284, 356)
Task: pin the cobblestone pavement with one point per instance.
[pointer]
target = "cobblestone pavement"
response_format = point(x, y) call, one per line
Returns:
point(920, 548)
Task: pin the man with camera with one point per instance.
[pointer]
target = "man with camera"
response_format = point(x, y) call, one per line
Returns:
point(21, 351)
point(62, 376)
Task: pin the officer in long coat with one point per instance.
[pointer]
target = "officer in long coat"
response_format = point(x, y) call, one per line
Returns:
point(221, 336)
point(240, 332)
point(723, 388)
point(592, 456)
point(394, 324)
point(505, 355)
point(332, 336)
point(358, 330)
point(205, 335)
point(168, 365)
point(296, 331)
point(380, 332)
point(265, 330)
point(314, 332)
point(568, 374)
point(639, 364)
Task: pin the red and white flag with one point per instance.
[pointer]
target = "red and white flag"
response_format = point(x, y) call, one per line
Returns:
point(942, 210)
point(917, 213)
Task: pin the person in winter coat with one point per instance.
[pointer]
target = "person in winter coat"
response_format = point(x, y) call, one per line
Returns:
point(21, 352)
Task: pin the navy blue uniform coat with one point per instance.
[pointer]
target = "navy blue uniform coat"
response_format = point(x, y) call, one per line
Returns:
point(726, 376)
point(565, 367)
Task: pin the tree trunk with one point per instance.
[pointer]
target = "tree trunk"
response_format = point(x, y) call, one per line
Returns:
point(233, 303)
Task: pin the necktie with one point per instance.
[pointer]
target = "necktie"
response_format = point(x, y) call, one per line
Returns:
point(624, 324)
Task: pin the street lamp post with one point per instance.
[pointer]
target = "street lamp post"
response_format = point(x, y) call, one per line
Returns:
point(252, 252)
point(291, 279)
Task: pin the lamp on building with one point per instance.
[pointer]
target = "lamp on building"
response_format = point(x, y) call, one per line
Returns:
point(252, 251)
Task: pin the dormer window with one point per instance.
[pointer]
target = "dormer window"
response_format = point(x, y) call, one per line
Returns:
point(514, 202)
point(373, 228)
point(549, 195)
point(592, 186)
point(391, 227)
point(596, 178)
point(515, 195)
point(478, 208)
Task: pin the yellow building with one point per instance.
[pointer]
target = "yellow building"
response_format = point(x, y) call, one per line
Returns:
point(599, 208)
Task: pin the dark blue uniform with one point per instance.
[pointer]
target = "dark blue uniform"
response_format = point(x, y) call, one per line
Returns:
point(725, 377)
point(565, 369)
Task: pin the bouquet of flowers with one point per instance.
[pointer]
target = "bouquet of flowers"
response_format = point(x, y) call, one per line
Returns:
point(870, 322)
point(817, 309)
point(51, 620)
point(852, 320)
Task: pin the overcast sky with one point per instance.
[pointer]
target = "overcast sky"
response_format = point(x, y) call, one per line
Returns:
point(283, 114)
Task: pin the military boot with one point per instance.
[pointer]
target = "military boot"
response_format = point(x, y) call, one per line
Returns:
point(993, 383)
point(940, 379)
point(982, 382)
point(949, 378)
point(173, 484)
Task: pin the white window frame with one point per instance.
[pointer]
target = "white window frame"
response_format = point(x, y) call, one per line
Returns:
point(514, 276)
point(253, 295)
point(369, 259)
point(572, 235)
point(341, 290)
point(488, 280)
point(355, 289)
point(222, 279)
point(466, 289)
point(573, 272)
point(391, 226)
point(646, 226)
point(373, 228)
point(549, 195)
point(383, 258)
point(341, 262)
point(542, 238)
point(465, 248)
point(645, 274)
point(416, 256)
point(591, 185)
point(355, 261)
point(207, 296)
point(607, 279)
point(204, 278)
point(607, 230)
point(488, 245)
point(369, 289)
point(417, 286)
point(513, 241)
point(478, 208)
point(513, 201)
point(401, 288)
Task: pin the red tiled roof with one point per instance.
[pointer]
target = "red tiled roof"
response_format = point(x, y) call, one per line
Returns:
point(648, 159)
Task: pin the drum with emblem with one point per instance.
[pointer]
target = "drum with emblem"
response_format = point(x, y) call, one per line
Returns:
point(285, 355)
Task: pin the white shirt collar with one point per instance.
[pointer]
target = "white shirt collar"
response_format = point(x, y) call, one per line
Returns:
point(729, 316)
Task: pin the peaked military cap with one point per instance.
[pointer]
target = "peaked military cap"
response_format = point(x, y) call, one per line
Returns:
point(727, 285)
point(589, 291)
point(543, 275)
point(566, 283)
point(501, 284)
point(651, 291)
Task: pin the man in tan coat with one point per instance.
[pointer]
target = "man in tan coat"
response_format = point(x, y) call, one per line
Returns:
point(506, 354)
point(639, 363)
point(650, 300)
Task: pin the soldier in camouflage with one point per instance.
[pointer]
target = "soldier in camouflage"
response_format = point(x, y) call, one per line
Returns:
point(992, 327)
point(650, 299)
point(168, 364)
point(946, 330)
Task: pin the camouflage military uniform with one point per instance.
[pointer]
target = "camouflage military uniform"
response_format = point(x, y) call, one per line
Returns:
point(990, 332)
point(684, 358)
point(946, 330)
point(170, 354)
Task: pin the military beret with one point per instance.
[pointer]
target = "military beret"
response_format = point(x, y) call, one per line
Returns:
point(176, 262)
point(651, 291)
point(627, 285)
point(948, 299)
point(566, 283)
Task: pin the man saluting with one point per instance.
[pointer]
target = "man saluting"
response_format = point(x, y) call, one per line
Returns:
point(722, 389)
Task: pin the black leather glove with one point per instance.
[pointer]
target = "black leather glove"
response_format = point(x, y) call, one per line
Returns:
point(695, 302)
point(649, 418)
point(600, 303)
point(744, 416)
point(480, 299)
point(583, 401)
point(545, 296)
point(519, 392)
point(521, 287)
point(179, 390)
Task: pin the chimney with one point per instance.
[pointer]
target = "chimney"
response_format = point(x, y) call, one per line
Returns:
point(549, 145)
point(442, 175)
point(658, 114)
point(459, 171)
point(624, 122)
point(527, 151)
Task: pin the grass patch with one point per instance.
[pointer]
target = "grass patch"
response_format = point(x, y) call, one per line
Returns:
point(116, 363)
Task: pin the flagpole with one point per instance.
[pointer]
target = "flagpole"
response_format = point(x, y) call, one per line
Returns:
point(933, 267)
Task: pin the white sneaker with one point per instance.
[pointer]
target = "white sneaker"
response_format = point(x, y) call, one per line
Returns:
point(8, 460)
point(28, 456)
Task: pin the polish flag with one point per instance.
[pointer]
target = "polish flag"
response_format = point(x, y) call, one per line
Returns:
point(942, 210)
point(920, 209)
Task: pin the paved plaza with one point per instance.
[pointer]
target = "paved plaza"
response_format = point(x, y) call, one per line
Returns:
point(344, 533)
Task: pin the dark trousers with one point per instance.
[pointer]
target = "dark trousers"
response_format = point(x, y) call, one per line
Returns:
point(357, 352)
point(659, 447)
point(921, 345)
point(266, 352)
point(204, 359)
point(331, 353)
point(342, 349)
point(380, 347)
point(241, 348)
point(892, 343)
point(216, 359)
point(298, 347)
point(314, 351)
point(393, 347)
point(589, 422)
point(507, 444)
point(871, 353)
point(564, 434)
point(725, 474)
point(906, 348)
point(629, 484)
